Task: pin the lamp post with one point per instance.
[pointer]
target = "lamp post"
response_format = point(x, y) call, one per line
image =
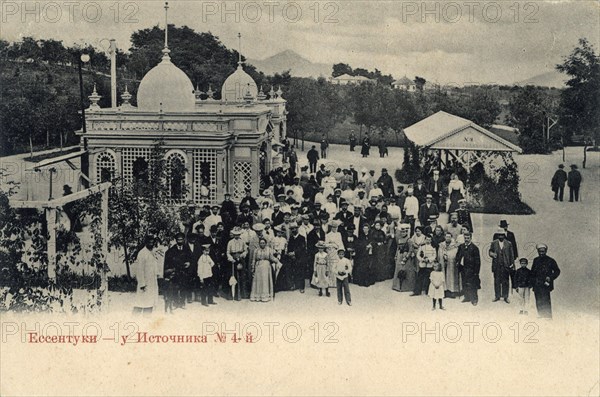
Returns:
point(85, 158)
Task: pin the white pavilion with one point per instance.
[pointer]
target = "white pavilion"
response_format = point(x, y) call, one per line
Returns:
point(225, 145)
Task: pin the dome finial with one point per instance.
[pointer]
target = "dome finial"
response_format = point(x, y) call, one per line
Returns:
point(94, 98)
point(126, 97)
point(239, 50)
point(166, 50)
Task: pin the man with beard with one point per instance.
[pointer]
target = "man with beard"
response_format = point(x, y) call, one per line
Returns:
point(543, 273)
point(468, 261)
point(344, 215)
point(503, 265)
point(296, 253)
point(177, 265)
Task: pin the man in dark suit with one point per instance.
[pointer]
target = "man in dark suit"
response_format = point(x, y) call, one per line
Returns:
point(558, 183)
point(321, 174)
point(574, 181)
point(296, 254)
point(176, 271)
point(543, 273)
point(277, 216)
point(503, 264)
point(420, 191)
point(468, 260)
point(434, 187)
point(313, 157)
point(427, 210)
point(344, 215)
point(354, 174)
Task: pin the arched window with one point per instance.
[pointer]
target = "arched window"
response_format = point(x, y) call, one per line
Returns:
point(176, 175)
point(140, 169)
point(105, 167)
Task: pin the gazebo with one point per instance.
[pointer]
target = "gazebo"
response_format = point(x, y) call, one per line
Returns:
point(453, 137)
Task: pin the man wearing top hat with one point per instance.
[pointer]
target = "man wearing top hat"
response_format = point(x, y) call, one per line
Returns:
point(574, 181)
point(503, 264)
point(558, 183)
point(427, 210)
point(543, 273)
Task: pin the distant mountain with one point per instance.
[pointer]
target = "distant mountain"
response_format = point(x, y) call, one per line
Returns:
point(289, 60)
point(549, 79)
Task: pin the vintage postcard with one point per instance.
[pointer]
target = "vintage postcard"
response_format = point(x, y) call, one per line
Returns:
point(273, 198)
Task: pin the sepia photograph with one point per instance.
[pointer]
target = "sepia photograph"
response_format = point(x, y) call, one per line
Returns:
point(299, 198)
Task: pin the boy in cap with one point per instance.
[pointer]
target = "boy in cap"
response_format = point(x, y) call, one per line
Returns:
point(342, 270)
point(205, 275)
point(523, 284)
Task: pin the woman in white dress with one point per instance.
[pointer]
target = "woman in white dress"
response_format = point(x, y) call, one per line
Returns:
point(334, 241)
point(262, 279)
point(146, 271)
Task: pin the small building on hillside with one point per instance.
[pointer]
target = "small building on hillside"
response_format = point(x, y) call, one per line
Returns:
point(405, 84)
point(346, 79)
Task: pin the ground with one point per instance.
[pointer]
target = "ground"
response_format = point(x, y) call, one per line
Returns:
point(386, 343)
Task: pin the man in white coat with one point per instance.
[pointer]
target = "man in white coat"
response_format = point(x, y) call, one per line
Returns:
point(146, 271)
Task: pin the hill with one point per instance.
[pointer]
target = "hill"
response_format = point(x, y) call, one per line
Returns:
point(552, 79)
point(290, 60)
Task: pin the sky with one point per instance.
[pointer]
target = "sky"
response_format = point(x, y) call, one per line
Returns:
point(446, 42)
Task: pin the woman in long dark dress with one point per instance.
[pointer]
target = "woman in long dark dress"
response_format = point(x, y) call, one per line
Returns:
point(366, 147)
point(380, 252)
point(362, 273)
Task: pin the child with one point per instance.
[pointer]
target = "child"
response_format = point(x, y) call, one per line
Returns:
point(523, 284)
point(205, 274)
point(343, 269)
point(321, 273)
point(437, 285)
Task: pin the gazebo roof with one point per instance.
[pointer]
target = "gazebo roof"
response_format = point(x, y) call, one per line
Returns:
point(445, 131)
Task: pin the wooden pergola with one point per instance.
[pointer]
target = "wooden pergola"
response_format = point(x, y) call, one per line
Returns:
point(457, 138)
point(52, 206)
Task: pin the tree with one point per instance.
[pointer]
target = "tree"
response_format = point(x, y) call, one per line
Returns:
point(420, 82)
point(340, 69)
point(580, 101)
point(528, 109)
point(139, 206)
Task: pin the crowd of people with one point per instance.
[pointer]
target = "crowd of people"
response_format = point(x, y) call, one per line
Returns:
point(322, 230)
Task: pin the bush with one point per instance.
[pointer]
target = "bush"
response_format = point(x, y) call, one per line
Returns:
point(499, 193)
point(122, 284)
